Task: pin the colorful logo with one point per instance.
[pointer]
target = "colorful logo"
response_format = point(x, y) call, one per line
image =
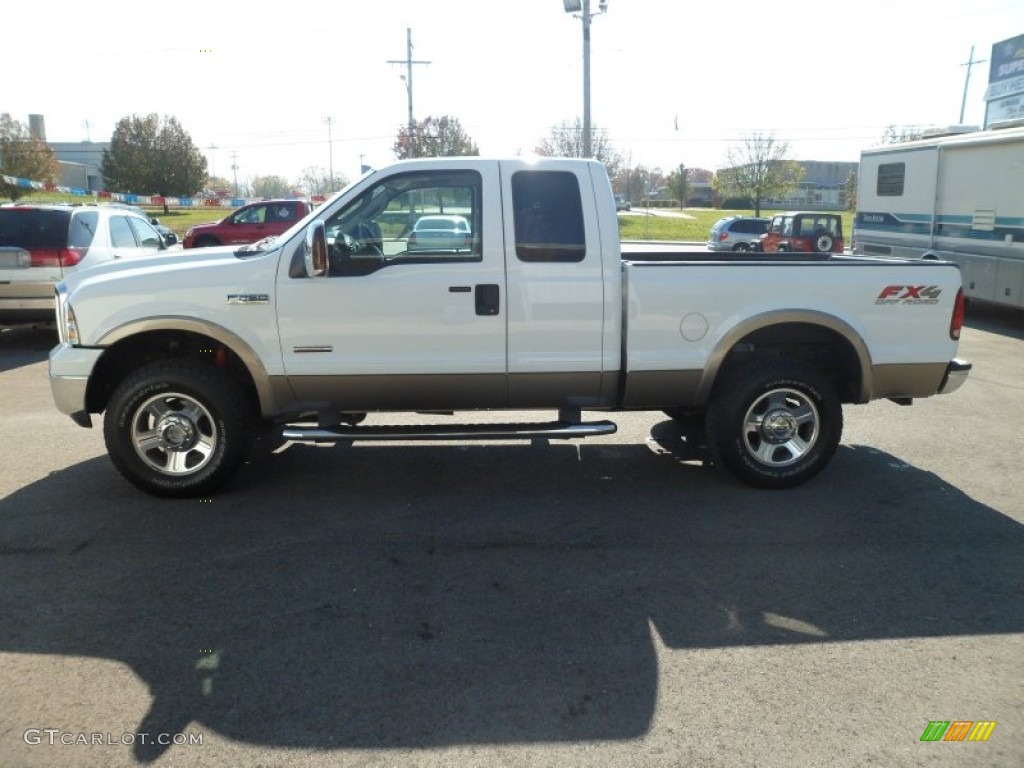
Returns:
point(958, 730)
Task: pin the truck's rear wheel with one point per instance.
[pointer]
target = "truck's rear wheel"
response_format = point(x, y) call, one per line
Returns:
point(178, 428)
point(775, 424)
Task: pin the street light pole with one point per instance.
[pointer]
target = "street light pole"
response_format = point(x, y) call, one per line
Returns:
point(583, 10)
point(330, 152)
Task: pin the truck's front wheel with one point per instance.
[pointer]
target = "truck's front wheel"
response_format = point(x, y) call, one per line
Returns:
point(177, 428)
point(775, 425)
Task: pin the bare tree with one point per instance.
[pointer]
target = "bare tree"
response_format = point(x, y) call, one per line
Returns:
point(898, 134)
point(759, 169)
point(270, 186)
point(566, 140)
point(317, 180)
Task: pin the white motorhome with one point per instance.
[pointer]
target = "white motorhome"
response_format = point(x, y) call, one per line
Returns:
point(956, 197)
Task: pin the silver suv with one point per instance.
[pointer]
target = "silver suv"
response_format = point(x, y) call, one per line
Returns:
point(736, 233)
point(40, 244)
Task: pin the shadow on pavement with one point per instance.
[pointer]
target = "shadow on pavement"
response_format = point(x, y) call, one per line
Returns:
point(1005, 321)
point(393, 596)
point(25, 344)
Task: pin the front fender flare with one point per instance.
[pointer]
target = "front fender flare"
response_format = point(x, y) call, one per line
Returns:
point(269, 400)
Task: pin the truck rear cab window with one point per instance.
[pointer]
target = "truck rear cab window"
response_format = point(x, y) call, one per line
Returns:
point(890, 179)
point(548, 216)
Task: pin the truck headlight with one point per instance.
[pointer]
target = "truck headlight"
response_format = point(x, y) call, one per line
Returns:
point(70, 331)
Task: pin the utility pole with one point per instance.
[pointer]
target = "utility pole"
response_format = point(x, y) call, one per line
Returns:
point(588, 150)
point(234, 169)
point(409, 62)
point(969, 63)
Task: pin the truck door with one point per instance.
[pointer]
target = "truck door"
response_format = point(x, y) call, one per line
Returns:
point(556, 300)
point(400, 324)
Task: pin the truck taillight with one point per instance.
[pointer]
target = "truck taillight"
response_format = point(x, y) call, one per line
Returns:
point(957, 321)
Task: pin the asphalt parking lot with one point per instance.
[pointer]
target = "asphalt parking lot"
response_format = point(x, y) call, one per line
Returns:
point(609, 602)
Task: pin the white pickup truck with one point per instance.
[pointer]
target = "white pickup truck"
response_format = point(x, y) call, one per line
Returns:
point(514, 294)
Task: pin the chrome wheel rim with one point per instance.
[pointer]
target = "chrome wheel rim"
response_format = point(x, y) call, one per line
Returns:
point(781, 427)
point(174, 434)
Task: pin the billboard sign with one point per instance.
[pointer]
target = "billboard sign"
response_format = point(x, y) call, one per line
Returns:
point(1005, 93)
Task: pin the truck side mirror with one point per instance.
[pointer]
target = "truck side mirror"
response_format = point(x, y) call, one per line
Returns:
point(316, 249)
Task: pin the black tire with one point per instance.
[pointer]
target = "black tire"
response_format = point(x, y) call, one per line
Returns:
point(178, 428)
point(206, 241)
point(822, 242)
point(741, 247)
point(774, 424)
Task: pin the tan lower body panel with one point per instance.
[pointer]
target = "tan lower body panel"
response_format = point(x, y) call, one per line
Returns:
point(430, 392)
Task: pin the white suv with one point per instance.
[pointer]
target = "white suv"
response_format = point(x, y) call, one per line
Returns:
point(40, 244)
point(736, 233)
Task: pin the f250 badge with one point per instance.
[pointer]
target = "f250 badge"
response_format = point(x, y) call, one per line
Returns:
point(248, 298)
point(909, 294)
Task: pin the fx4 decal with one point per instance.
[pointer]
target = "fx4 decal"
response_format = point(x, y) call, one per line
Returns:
point(909, 294)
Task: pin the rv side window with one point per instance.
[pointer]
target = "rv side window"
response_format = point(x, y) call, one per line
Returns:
point(890, 179)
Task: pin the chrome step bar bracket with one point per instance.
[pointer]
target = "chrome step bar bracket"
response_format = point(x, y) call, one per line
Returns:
point(557, 430)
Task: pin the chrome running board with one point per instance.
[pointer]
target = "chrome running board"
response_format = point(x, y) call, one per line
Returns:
point(559, 430)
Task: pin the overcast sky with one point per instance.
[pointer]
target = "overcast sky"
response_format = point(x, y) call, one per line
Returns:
point(672, 81)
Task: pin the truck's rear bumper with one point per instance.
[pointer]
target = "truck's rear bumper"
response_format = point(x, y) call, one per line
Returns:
point(70, 368)
point(956, 374)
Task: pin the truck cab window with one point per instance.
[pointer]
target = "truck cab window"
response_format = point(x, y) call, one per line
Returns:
point(548, 216)
point(423, 217)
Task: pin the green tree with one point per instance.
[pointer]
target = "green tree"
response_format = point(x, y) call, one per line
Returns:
point(566, 140)
point(850, 191)
point(270, 186)
point(759, 169)
point(434, 137)
point(150, 156)
point(679, 183)
point(25, 157)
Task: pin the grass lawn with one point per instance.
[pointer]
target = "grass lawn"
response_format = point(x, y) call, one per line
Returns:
point(639, 226)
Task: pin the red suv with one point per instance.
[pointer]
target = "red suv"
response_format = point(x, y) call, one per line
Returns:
point(267, 218)
point(803, 231)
